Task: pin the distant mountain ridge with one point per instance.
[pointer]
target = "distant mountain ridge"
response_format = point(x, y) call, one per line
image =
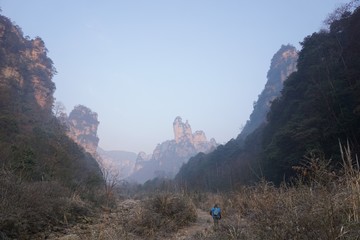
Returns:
point(165, 161)
point(168, 156)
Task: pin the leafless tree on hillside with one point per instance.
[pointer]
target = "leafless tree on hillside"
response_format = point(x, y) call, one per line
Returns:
point(340, 11)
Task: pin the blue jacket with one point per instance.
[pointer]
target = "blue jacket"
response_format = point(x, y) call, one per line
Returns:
point(214, 210)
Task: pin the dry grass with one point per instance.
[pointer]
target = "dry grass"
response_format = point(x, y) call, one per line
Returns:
point(324, 205)
point(162, 213)
point(155, 217)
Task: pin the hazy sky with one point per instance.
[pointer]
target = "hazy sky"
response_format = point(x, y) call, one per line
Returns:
point(141, 63)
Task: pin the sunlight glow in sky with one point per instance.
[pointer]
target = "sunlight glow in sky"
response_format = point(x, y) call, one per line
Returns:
point(139, 64)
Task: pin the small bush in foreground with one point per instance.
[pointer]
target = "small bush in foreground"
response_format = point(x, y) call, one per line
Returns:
point(164, 212)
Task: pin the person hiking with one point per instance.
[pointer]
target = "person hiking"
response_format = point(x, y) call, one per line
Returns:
point(215, 212)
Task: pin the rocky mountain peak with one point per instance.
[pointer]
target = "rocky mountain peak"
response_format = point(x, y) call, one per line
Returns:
point(182, 131)
point(168, 156)
point(183, 134)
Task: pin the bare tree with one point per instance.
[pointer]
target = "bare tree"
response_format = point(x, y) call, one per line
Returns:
point(112, 178)
point(340, 11)
point(59, 109)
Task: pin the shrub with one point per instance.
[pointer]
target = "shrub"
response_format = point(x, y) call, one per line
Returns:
point(27, 208)
point(163, 213)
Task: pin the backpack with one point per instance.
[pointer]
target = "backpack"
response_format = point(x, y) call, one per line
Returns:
point(216, 213)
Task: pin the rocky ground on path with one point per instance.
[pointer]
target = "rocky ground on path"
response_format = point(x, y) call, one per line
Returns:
point(198, 230)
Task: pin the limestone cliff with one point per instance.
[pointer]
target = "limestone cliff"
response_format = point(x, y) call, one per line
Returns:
point(82, 124)
point(182, 131)
point(168, 156)
point(25, 71)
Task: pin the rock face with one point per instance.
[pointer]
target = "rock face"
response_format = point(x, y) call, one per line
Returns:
point(83, 124)
point(43, 94)
point(25, 71)
point(168, 156)
point(183, 136)
point(182, 131)
point(282, 65)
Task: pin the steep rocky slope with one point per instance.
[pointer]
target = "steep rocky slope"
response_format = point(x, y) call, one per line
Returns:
point(282, 65)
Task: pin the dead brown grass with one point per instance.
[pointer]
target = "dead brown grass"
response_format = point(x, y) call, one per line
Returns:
point(323, 204)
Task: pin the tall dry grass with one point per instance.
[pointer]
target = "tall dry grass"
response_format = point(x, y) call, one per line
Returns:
point(321, 204)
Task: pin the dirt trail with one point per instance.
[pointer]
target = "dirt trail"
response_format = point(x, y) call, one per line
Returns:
point(107, 224)
point(203, 226)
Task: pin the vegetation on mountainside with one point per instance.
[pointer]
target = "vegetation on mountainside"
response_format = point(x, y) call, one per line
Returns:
point(319, 106)
point(40, 167)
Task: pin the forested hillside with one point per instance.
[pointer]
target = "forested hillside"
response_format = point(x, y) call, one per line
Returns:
point(320, 103)
point(319, 107)
point(40, 167)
